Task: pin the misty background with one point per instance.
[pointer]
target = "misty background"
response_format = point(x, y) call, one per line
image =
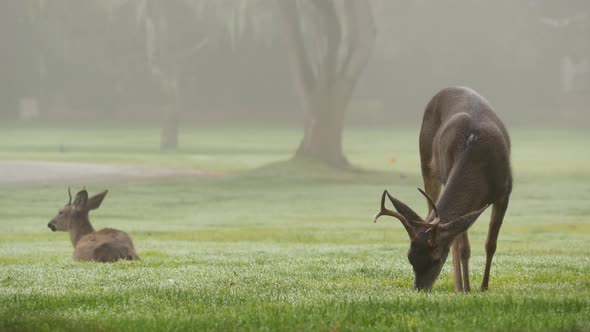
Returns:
point(227, 61)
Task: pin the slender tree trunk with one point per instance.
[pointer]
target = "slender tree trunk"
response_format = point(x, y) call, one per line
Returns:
point(9, 106)
point(169, 132)
point(171, 120)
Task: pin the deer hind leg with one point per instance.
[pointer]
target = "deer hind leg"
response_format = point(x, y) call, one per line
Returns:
point(498, 212)
point(104, 253)
point(132, 255)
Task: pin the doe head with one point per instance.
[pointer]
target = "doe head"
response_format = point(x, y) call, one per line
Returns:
point(70, 212)
point(429, 241)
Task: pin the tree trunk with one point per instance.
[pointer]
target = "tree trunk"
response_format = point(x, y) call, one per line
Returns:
point(9, 107)
point(169, 133)
point(326, 58)
point(322, 138)
point(324, 123)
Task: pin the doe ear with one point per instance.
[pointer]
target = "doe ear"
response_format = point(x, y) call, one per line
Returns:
point(461, 224)
point(95, 201)
point(81, 200)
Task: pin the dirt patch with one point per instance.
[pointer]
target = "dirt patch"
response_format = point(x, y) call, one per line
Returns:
point(43, 173)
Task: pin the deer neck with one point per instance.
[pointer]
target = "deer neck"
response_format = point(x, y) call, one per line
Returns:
point(465, 191)
point(79, 227)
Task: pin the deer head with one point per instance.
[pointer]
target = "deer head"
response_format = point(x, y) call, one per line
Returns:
point(71, 212)
point(429, 241)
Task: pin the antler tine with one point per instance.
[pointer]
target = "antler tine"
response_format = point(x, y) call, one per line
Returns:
point(70, 194)
point(386, 212)
point(431, 204)
point(410, 222)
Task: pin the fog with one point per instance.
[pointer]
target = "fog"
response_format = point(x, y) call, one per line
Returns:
point(232, 62)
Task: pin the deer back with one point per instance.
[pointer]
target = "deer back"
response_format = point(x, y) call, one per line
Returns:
point(106, 245)
point(467, 147)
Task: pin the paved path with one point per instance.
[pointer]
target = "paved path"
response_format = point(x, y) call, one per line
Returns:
point(40, 173)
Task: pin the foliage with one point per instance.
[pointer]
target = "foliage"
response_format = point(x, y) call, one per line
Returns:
point(90, 59)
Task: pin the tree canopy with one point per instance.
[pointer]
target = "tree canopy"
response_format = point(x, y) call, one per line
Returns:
point(105, 58)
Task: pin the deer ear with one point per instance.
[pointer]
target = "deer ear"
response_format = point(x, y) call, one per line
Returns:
point(81, 200)
point(95, 201)
point(451, 229)
point(404, 210)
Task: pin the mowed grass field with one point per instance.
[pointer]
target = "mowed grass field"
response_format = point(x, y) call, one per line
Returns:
point(278, 245)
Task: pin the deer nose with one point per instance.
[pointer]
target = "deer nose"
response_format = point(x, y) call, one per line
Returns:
point(51, 226)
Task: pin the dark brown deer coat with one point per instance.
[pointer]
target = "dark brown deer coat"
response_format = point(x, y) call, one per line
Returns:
point(464, 147)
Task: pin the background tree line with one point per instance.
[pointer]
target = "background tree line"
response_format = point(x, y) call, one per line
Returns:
point(246, 60)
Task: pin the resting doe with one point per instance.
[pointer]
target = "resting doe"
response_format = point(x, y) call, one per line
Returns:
point(106, 245)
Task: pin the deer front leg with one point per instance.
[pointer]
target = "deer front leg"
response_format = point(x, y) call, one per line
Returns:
point(465, 255)
point(498, 212)
point(461, 254)
point(456, 250)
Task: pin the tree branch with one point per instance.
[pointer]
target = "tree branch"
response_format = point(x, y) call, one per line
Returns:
point(331, 27)
point(361, 37)
point(300, 59)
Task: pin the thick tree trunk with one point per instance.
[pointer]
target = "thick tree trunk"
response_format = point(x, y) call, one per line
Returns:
point(322, 138)
point(326, 63)
point(324, 124)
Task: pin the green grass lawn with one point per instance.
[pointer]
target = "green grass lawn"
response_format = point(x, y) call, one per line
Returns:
point(277, 245)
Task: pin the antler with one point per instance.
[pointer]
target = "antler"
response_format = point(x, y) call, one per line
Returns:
point(386, 212)
point(432, 228)
point(411, 222)
point(70, 194)
point(408, 224)
point(431, 204)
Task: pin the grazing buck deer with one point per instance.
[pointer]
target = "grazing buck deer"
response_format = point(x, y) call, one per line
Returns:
point(106, 245)
point(465, 148)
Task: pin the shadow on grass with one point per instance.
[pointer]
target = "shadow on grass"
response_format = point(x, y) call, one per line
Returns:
point(297, 171)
